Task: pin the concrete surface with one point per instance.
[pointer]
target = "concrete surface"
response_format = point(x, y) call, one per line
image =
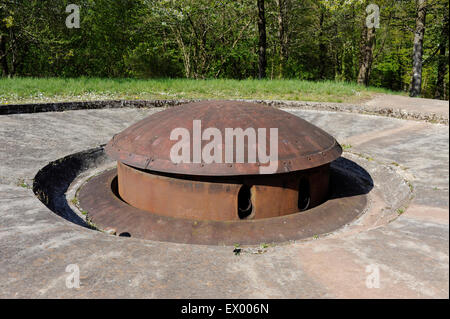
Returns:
point(411, 251)
point(417, 105)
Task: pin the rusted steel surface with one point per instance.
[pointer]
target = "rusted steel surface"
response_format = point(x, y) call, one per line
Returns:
point(178, 197)
point(278, 195)
point(147, 144)
point(269, 195)
point(107, 211)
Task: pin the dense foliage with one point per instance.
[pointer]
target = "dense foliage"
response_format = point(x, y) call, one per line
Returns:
point(306, 39)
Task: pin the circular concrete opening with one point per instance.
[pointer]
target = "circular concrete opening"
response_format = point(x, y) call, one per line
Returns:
point(347, 201)
point(311, 192)
point(87, 180)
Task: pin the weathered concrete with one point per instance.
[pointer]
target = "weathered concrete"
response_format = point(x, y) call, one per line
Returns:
point(412, 251)
point(409, 104)
point(396, 106)
point(401, 107)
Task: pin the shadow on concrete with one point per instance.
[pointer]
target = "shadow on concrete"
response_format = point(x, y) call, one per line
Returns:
point(51, 182)
point(348, 179)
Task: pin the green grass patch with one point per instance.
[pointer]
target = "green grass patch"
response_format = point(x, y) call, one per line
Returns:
point(29, 90)
point(21, 183)
point(346, 147)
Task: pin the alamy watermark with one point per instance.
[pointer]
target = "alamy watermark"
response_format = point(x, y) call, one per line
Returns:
point(73, 279)
point(73, 19)
point(373, 279)
point(219, 150)
point(373, 18)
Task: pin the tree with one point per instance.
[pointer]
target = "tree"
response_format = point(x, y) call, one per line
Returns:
point(3, 56)
point(262, 44)
point(442, 58)
point(322, 44)
point(3, 39)
point(416, 79)
point(283, 32)
point(368, 45)
point(307, 39)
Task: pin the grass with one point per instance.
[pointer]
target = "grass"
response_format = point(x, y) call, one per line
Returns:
point(21, 183)
point(75, 201)
point(346, 147)
point(33, 90)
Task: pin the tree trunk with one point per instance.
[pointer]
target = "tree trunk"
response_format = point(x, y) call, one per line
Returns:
point(322, 46)
point(366, 56)
point(282, 34)
point(442, 64)
point(416, 81)
point(262, 64)
point(14, 51)
point(184, 51)
point(3, 56)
